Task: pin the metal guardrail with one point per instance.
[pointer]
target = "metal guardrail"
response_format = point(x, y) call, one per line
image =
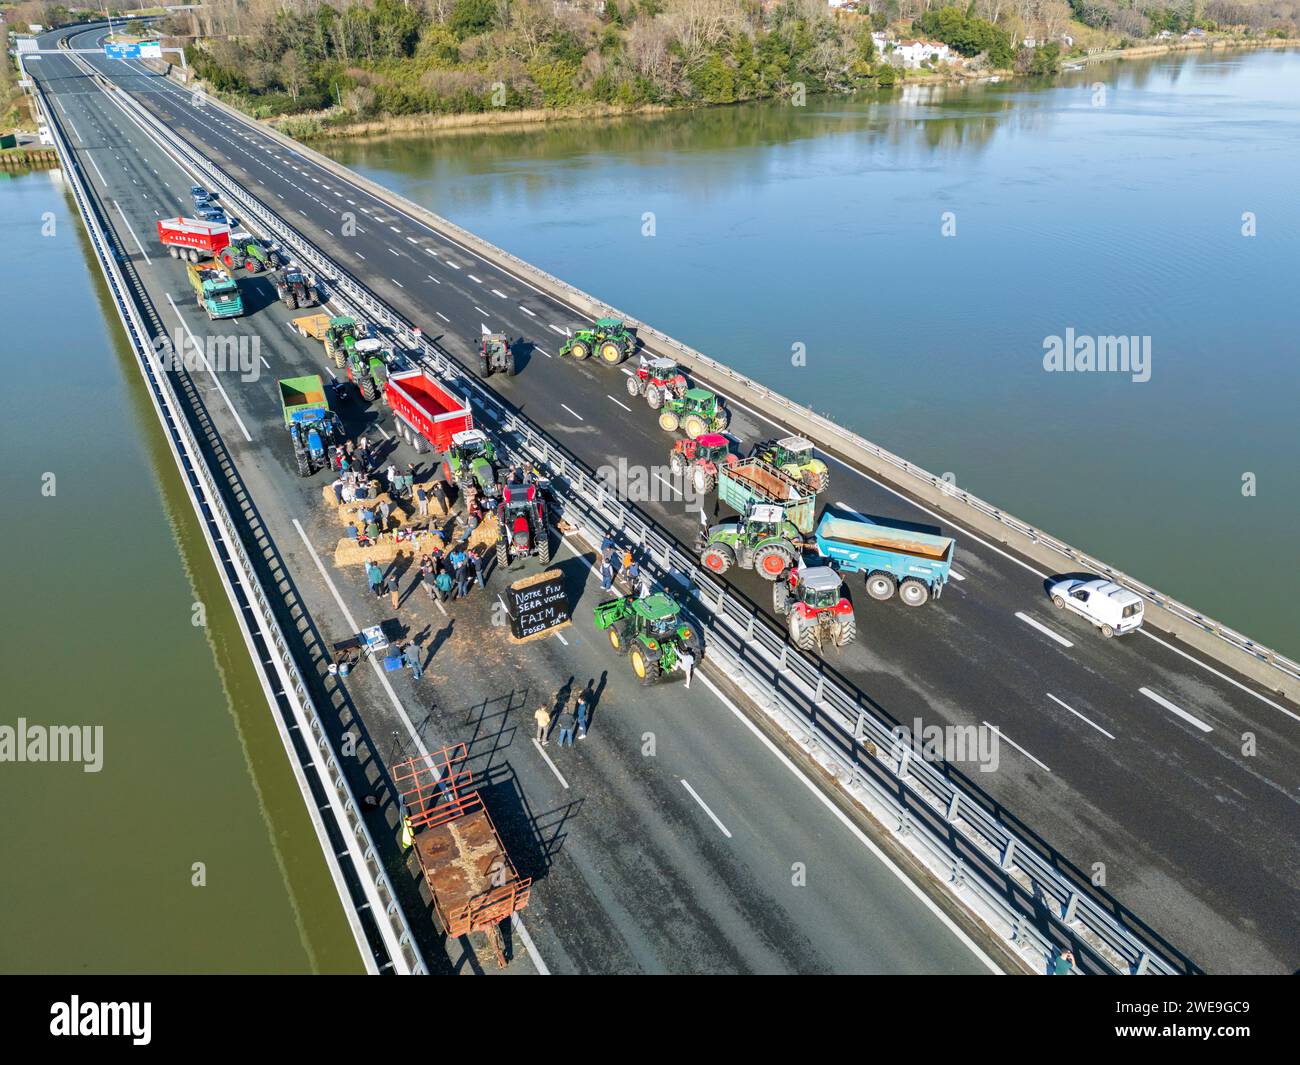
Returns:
point(253, 607)
point(1011, 872)
point(843, 439)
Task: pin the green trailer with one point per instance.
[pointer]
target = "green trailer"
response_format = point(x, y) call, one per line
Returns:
point(650, 631)
point(752, 481)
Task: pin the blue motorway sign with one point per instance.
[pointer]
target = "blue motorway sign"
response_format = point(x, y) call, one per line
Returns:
point(122, 51)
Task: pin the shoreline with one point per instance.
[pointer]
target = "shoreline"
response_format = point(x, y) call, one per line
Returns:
point(531, 118)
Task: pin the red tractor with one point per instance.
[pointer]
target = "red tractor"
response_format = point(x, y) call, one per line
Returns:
point(656, 379)
point(809, 599)
point(700, 459)
point(521, 524)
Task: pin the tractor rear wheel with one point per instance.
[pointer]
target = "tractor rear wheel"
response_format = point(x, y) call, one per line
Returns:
point(717, 558)
point(668, 421)
point(914, 592)
point(368, 389)
point(611, 352)
point(846, 631)
point(654, 396)
point(543, 546)
point(510, 364)
point(618, 637)
point(803, 633)
point(633, 384)
point(304, 462)
point(772, 561)
point(881, 586)
point(484, 366)
point(579, 349)
point(818, 480)
point(722, 420)
point(781, 598)
point(645, 668)
point(694, 425)
point(293, 301)
point(703, 480)
point(503, 552)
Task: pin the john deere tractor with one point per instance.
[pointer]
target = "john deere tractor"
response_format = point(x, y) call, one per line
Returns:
point(815, 611)
point(495, 355)
point(700, 459)
point(651, 631)
point(367, 362)
point(607, 337)
point(695, 411)
point(471, 459)
point(656, 379)
point(793, 455)
point(763, 540)
point(340, 335)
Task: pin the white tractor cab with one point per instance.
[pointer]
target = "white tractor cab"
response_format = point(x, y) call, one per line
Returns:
point(1113, 609)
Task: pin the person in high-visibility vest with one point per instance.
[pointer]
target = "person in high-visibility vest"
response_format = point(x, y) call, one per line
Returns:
point(408, 836)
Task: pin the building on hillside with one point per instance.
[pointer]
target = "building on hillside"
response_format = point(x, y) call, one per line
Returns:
point(914, 53)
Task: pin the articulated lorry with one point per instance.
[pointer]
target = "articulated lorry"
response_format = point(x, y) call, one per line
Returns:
point(215, 291)
point(913, 564)
point(192, 238)
point(313, 427)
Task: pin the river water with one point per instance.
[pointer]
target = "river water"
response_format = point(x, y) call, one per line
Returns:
point(921, 249)
point(103, 564)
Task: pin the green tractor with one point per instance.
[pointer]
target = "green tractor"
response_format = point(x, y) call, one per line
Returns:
point(247, 252)
point(340, 335)
point(367, 363)
point(471, 459)
point(607, 337)
point(695, 411)
point(763, 540)
point(495, 355)
point(793, 456)
point(651, 631)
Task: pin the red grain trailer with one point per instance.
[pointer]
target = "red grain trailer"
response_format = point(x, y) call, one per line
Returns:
point(472, 881)
point(425, 413)
point(192, 238)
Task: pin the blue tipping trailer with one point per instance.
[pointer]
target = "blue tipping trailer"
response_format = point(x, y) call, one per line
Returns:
point(914, 564)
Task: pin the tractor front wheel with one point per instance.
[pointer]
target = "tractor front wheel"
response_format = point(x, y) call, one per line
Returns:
point(721, 420)
point(654, 397)
point(717, 558)
point(579, 350)
point(668, 421)
point(677, 462)
point(618, 638)
point(633, 384)
point(781, 598)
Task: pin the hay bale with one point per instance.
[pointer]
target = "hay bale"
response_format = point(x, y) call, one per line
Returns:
point(486, 535)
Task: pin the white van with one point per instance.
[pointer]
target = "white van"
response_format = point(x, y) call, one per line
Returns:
point(1113, 609)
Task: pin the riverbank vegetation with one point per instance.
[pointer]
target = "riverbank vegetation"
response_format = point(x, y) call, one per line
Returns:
point(324, 64)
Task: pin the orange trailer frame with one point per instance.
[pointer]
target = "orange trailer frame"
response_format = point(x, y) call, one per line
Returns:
point(457, 845)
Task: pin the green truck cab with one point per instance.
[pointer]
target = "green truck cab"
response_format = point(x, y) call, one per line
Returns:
point(215, 291)
point(650, 631)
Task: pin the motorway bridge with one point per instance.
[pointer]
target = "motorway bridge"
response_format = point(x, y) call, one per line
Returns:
point(1122, 759)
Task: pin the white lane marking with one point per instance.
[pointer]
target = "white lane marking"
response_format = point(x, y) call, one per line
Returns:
point(392, 252)
point(102, 180)
point(538, 347)
point(411, 240)
point(211, 373)
point(353, 202)
point(560, 636)
point(671, 486)
point(1002, 736)
point(573, 412)
point(443, 317)
point(1162, 701)
point(556, 328)
point(476, 280)
point(433, 279)
point(74, 129)
point(498, 292)
point(431, 252)
point(452, 265)
point(955, 575)
point(613, 400)
point(1221, 676)
point(704, 806)
point(527, 311)
point(302, 212)
point(558, 775)
point(354, 627)
point(264, 362)
point(359, 255)
point(1080, 716)
point(394, 229)
point(396, 282)
point(1043, 629)
point(133, 236)
point(482, 312)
